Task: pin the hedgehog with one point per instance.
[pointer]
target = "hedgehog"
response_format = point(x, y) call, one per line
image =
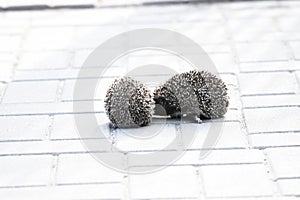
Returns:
point(128, 103)
point(198, 94)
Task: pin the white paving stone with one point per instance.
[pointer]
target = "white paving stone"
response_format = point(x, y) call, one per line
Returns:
point(6, 70)
point(224, 62)
point(26, 92)
point(258, 36)
point(50, 38)
point(60, 74)
point(154, 137)
point(217, 48)
point(289, 24)
point(44, 60)
point(265, 83)
point(25, 170)
point(100, 88)
point(271, 101)
point(23, 127)
point(290, 187)
point(55, 108)
point(93, 36)
point(81, 17)
point(272, 119)
point(7, 56)
point(253, 52)
point(27, 3)
point(298, 78)
point(215, 157)
point(42, 147)
point(252, 25)
point(285, 161)
point(230, 136)
point(169, 186)
point(274, 139)
point(9, 43)
point(229, 79)
point(2, 86)
point(296, 49)
point(93, 191)
point(64, 126)
point(204, 33)
point(236, 181)
point(86, 168)
point(268, 66)
point(80, 56)
point(260, 198)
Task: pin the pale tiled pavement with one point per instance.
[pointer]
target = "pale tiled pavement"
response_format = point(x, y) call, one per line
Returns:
point(254, 45)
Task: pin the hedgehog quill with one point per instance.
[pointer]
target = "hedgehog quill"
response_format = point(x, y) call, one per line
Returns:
point(195, 93)
point(128, 103)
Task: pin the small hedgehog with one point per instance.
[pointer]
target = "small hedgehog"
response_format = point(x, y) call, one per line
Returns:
point(128, 103)
point(198, 94)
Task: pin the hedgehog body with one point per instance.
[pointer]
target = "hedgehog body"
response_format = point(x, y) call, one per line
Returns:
point(198, 93)
point(128, 103)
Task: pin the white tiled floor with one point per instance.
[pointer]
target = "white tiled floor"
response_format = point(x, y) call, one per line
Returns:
point(255, 47)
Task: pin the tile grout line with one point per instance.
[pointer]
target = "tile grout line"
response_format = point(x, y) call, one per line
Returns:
point(243, 120)
point(199, 179)
point(276, 188)
point(17, 59)
point(48, 132)
point(53, 172)
point(236, 60)
point(292, 63)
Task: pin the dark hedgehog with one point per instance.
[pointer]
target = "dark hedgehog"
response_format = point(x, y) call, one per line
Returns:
point(195, 93)
point(128, 103)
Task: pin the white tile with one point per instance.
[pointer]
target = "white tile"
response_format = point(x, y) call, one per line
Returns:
point(6, 70)
point(93, 191)
point(83, 168)
point(204, 32)
point(285, 161)
point(25, 170)
point(50, 38)
point(27, 3)
point(267, 83)
point(23, 127)
point(42, 147)
point(215, 157)
point(7, 56)
point(296, 49)
point(93, 36)
point(271, 100)
point(154, 137)
point(224, 62)
point(274, 139)
point(236, 181)
point(64, 126)
point(252, 25)
point(229, 136)
point(172, 182)
point(272, 119)
point(10, 43)
point(290, 187)
point(289, 24)
point(267, 66)
point(250, 52)
point(26, 92)
point(44, 60)
point(100, 89)
point(50, 108)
